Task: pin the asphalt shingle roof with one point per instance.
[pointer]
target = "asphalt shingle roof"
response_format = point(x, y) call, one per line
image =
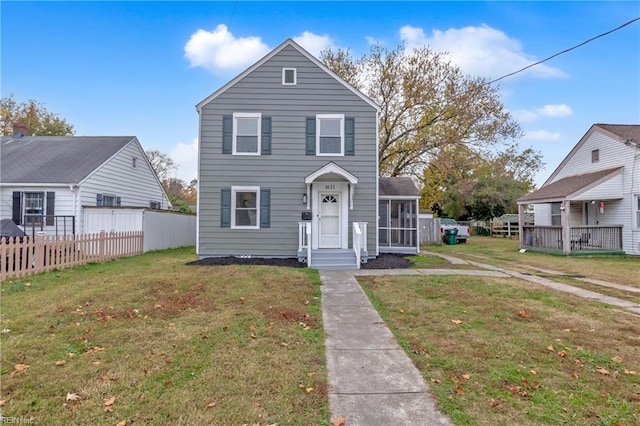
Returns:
point(625, 131)
point(55, 159)
point(397, 186)
point(568, 185)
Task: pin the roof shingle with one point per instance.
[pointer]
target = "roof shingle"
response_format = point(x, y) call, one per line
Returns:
point(568, 185)
point(55, 159)
point(397, 186)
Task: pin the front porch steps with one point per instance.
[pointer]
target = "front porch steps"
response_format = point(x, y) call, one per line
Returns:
point(336, 259)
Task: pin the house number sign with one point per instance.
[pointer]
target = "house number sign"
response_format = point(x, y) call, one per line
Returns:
point(329, 187)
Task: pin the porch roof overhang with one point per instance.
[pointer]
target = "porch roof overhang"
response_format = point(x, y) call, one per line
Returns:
point(331, 168)
point(581, 187)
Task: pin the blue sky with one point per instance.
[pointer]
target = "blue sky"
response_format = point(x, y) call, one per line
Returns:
point(139, 68)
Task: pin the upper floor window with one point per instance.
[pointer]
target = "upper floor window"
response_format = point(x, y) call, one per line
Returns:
point(595, 155)
point(330, 134)
point(246, 133)
point(155, 205)
point(637, 206)
point(134, 162)
point(289, 76)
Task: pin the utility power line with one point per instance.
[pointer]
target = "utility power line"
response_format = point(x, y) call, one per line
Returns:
point(564, 51)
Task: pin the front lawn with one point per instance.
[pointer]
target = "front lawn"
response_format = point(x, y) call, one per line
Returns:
point(503, 351)
point(149, 340)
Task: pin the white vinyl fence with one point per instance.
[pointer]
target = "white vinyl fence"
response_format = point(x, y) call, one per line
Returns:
point(162, 228)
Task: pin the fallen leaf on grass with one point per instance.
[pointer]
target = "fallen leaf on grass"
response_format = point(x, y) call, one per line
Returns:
point(95, 363)
point(108, 404)
point(61, 363)
point(73, 397)
point(522, 314)
point(603, 371)
point(466, 376)
point(631, 372)
point(122, 423)
point(19, 368)
point(616, 359)
point(551, 348)
point(456, 321)
point(562, 354)
point(95, 349)
point(211, 403)
point(533, 371)
point(401, 311)
point(2, 401)
point(493, 403)
point(574, 375)
point(459, 390)
point(435, 380)
point(311, 374)
point(339, 421)
point(308, 390)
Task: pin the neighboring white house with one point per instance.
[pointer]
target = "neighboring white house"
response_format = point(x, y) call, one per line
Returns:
point(591, 202)
point(46, 181)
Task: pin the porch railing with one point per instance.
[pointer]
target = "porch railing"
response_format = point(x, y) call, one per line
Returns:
point(582, 238)
point(52, 224)
point(359, 240)
point(304, 239)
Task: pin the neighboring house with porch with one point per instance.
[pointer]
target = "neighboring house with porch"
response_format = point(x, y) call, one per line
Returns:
point(591, 202)
point(47, 181)
point(288, 167)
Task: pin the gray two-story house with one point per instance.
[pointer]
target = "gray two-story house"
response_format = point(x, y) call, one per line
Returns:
point(288, 165)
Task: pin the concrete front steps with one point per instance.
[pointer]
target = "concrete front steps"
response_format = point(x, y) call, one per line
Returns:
point(335, 259)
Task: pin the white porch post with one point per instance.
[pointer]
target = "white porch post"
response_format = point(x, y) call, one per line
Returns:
point(565, 215)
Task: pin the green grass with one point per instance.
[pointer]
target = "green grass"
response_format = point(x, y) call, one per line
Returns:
point(503, 252)
point(499, 351)
point(174, 344)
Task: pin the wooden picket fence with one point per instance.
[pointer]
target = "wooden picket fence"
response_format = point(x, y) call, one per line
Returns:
point(30, 255)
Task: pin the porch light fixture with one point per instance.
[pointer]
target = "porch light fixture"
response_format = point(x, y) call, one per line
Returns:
point(304, 198)
point(593, 201)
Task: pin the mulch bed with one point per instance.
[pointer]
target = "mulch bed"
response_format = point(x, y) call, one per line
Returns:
point(383, 261)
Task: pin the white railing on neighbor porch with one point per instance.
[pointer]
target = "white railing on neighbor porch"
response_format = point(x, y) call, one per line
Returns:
point(359, 240)
point(304, 239)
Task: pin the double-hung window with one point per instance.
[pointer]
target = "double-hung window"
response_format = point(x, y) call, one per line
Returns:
point(245, 207)
point(556, 214)
point(246, 133)
point(33, 207)
point(330, 134)
point(637, 206)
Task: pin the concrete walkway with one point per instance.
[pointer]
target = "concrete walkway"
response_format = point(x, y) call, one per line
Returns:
point(371, 379)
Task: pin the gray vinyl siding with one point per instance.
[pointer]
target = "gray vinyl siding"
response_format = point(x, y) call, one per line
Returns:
point(284, 170)
point(135, 186)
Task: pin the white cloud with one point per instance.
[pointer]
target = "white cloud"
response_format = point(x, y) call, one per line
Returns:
point(186, 157)
point(542, 136)
point(372, 41)
point(561, 110)
point(524, 115)
point(482, 50)
point(313, 43)
point(219, 50)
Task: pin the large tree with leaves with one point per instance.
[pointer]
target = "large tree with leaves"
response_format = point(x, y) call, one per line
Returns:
point(427, 103)
point(461, 184)
point(34, 116)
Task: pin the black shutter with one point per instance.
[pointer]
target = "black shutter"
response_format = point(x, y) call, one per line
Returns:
point(227, 134)
point(99, 200)
point(265, 208)
point(225, 208)
point(349, 136)
point(266, 136)
point(17, 208)
point(118, 201)
point(51, 208)
point(311, 136)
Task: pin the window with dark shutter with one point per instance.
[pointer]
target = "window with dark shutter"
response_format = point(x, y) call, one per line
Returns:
point(265, 208)
point(266, 136)
point(17, 208)
point(51, 208)
point(349, 136)
point(227, 134)
point(225, 208)
point(311, 136)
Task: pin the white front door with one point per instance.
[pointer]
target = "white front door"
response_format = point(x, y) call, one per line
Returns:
point(329, 220)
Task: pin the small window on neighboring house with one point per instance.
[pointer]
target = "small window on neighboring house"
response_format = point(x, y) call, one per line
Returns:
point(556, 214)
point(134, 162)
point(637, 206)
point(289, 76)
point(33, 208)
point(155, 205)
point(108, 200)
point(330, 135)
point(595, 155)
point(246, 133)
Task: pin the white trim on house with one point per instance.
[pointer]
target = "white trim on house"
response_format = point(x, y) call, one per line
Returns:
point(288, 42)
point(284, 76)
point(258, 117)
point(331, 168)
point(236, 189)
